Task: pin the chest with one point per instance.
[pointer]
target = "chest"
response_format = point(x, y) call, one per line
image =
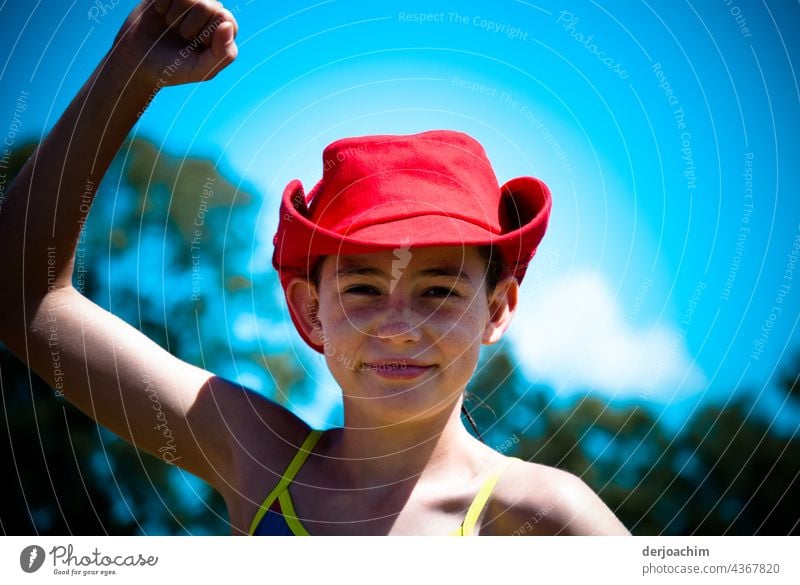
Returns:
point(417, 509)
point(421, 508)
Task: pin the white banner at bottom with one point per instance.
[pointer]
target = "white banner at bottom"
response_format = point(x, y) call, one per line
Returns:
point(407, 560)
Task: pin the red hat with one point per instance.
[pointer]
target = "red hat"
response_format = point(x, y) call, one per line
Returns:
point(380, 192)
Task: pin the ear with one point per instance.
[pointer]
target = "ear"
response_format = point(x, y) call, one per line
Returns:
point(303, 300)
point(502, 306)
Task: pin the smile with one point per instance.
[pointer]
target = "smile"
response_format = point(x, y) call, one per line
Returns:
point(396, 370)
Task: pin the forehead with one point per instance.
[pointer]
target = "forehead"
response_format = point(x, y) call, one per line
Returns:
point(460, 257)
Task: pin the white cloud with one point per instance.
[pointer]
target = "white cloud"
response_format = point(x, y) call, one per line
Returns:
point(574, 335)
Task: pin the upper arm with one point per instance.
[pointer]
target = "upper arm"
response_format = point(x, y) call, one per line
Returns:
point(129, 384)
point(536, 499)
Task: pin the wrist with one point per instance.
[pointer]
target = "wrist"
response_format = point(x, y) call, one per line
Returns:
point(130, 77)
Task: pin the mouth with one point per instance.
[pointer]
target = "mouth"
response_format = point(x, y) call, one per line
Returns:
point(397, 370)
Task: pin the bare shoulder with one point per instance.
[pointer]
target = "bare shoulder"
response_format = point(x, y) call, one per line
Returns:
point(261, 425)
point(264, 436)
point(533, 499)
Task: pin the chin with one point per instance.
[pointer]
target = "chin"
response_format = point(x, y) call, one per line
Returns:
point(397, 404)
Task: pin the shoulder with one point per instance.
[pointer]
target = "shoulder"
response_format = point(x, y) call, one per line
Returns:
point(534, 499)
point(258, 430)
point(264, 437)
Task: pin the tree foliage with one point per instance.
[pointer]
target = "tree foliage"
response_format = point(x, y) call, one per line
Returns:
point(727, 471)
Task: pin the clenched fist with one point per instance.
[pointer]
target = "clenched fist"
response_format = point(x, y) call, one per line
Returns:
point(170, 42)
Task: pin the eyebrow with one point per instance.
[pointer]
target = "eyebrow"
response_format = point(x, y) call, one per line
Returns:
point(435, 271)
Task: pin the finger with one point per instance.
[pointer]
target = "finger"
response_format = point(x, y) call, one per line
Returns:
point(230, 18)
point(161, 6)
point(215, 22)
point(198, 18)
point(221, 15)
point(177, 10)
point(223, 45)
point(223, 51)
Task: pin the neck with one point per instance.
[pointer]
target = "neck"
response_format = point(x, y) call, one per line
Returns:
point(368, 455)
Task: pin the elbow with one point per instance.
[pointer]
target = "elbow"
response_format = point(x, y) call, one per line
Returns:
point(22, 314)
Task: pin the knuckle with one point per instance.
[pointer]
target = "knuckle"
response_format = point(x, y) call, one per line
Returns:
point(173, 15)
point(227, 15)
point(185, 28)
point(178, 10)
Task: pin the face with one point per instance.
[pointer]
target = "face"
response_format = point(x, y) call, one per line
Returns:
point(402, 334)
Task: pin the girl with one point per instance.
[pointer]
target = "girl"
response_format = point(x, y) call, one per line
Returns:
point(397, 266)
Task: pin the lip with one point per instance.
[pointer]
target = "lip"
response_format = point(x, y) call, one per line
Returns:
point(402, 362)
point(397, 369)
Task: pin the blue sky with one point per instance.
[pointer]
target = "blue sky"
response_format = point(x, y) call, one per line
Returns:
point(666, 132)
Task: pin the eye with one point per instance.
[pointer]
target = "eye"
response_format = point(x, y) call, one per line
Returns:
point(442, 291)
point(362, 289)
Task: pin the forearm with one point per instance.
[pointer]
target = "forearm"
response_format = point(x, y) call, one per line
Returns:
point(47, 204)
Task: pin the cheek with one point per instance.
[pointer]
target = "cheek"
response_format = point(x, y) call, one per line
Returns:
point(461, 333)
point(342, 330)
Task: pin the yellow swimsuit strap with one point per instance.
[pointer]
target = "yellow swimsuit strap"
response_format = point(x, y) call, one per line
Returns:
point(288, 475)
point(467, 527)
point(475, 509)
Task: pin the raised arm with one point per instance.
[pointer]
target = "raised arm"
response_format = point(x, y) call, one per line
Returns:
point(108, 369)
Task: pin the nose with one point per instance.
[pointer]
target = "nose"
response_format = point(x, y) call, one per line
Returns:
point(398, 326)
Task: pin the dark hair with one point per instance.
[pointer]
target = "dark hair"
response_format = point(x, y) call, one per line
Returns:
point(496, 268)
